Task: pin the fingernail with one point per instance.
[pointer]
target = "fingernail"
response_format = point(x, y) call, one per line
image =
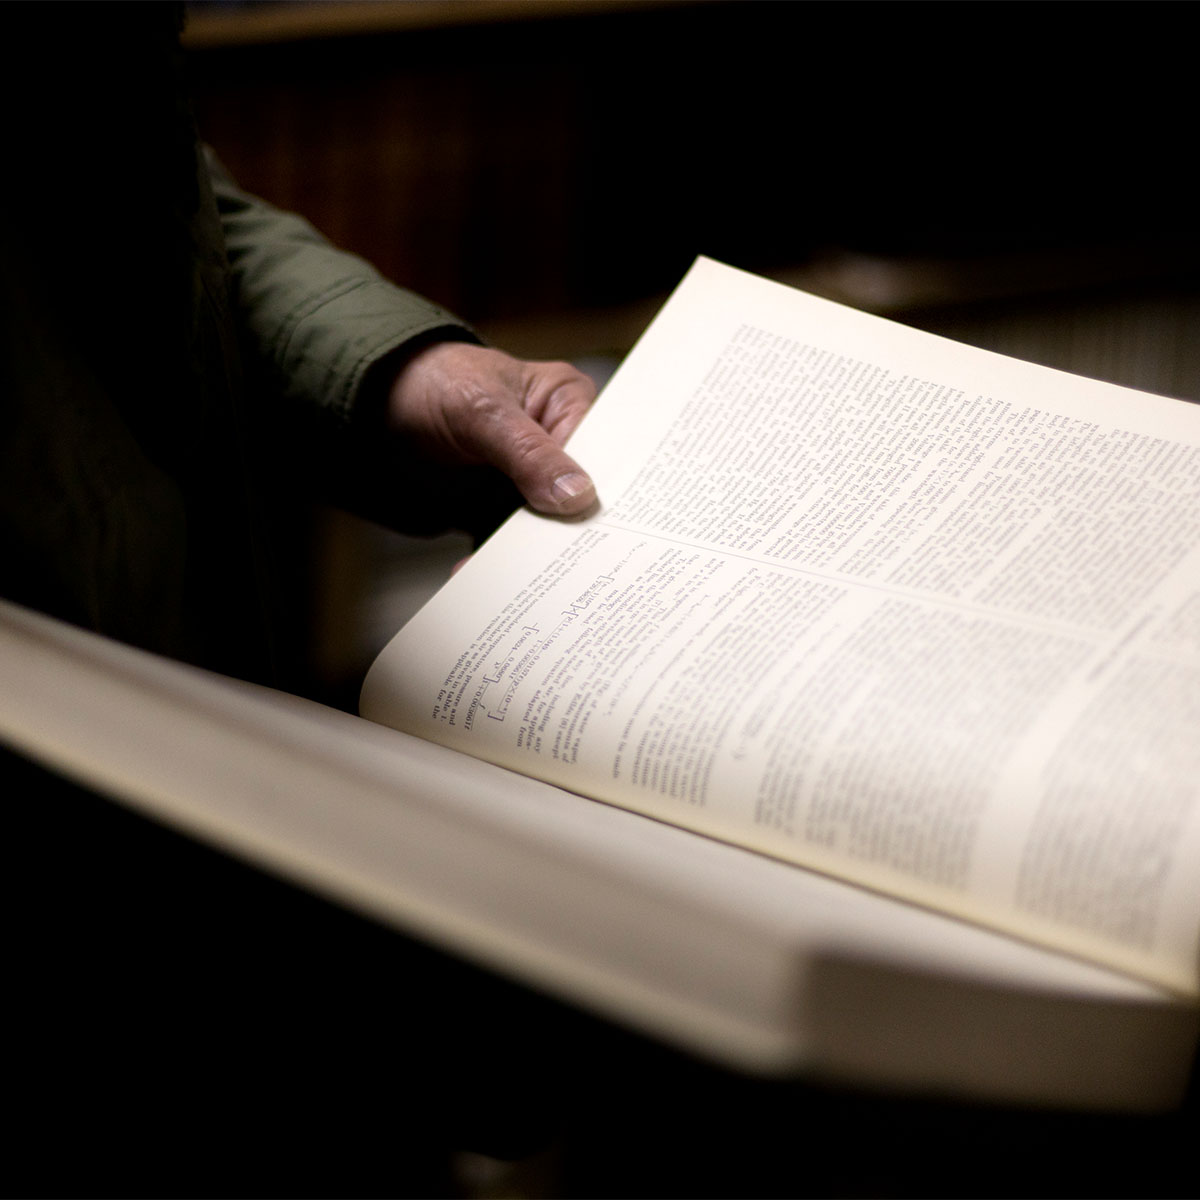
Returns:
point(571, 485)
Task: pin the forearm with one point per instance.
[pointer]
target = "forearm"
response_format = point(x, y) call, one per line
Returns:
point(371, 413)
point(317, 319)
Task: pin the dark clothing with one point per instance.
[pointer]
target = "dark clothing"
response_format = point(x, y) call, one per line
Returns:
point(170, 347)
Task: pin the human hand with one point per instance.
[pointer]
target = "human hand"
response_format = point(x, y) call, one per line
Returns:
point(463, 403)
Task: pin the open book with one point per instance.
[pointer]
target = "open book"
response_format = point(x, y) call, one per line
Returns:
point(917, 616)
point(912, 614)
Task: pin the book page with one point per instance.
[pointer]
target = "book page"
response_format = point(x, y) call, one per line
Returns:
point(907, 612)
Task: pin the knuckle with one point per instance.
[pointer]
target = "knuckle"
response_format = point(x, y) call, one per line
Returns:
point(475, 410)
point(528, 445)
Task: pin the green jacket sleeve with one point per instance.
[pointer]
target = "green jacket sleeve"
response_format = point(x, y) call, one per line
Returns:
point(321, 331)
point(316, 318)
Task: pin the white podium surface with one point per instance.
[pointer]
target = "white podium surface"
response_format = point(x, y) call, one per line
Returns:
point(738, 958)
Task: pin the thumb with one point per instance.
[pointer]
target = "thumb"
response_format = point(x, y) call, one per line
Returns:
point(549, 478)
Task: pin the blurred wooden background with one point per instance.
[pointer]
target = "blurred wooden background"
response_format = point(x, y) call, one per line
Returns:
point(519, 160)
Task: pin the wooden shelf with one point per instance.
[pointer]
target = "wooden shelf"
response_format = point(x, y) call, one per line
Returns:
point(218, 25)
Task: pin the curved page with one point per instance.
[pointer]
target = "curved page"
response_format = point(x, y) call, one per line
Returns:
point(910, 613)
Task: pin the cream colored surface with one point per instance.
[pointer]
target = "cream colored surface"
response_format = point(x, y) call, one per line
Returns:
point(729, 954)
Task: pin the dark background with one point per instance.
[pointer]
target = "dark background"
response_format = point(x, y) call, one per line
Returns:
point(575, 156)
point(549, 170)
